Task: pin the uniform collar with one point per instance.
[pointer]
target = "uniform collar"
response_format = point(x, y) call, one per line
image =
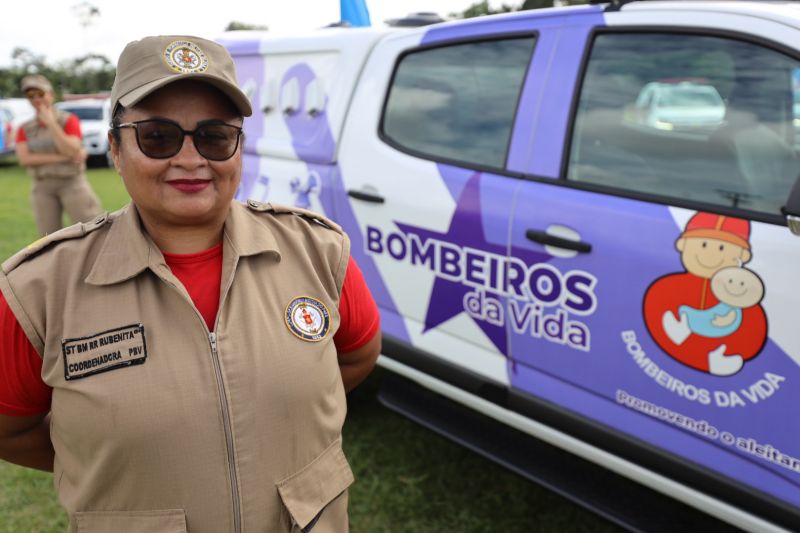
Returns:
point(128, 250)
point(246, 234)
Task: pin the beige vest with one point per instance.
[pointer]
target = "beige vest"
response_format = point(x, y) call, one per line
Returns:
point(40, 141)
point(159, 425)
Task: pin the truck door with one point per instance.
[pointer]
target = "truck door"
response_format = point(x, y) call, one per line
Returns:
point(663, 305)
point(421, 164)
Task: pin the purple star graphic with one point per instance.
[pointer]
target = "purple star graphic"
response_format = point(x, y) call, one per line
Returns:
point(466, 230)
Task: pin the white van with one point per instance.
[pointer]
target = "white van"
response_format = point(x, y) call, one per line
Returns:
point(16, 112)
point(680, 105)
point(95, 117)
point(563, 287)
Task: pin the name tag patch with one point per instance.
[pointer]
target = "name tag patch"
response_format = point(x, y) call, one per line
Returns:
point(109, 350)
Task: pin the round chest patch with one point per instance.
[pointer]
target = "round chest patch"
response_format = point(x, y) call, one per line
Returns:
point(308, 318)
point(186, 57)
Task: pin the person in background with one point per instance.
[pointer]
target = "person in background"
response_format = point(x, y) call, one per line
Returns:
point(182, 364)
point(49, 147)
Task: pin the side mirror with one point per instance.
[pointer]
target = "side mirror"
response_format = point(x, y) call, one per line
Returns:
point(792, 208)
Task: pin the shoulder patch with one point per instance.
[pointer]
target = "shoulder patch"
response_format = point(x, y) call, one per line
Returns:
point(255, 205)
point(76, 231)
point(280, 209)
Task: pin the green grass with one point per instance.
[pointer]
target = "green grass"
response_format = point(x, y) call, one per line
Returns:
point(16, 220)
point(28, 502)
point(17, 227)
point(408, 479)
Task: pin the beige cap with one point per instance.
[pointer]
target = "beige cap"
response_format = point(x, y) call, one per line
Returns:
point(153, 62)
point(35, 81)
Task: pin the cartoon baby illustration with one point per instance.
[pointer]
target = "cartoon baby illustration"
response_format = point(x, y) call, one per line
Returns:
point(709, 317)
point(736, 288)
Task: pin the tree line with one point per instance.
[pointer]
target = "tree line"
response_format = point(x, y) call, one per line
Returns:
point(92, 73)
point(88, 74)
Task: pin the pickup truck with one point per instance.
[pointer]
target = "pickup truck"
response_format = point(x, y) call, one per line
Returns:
point(568, 281)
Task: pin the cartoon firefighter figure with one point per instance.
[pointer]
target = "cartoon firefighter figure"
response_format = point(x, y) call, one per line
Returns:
point(709, 317)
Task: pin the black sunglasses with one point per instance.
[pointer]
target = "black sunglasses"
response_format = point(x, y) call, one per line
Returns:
point(159, 138)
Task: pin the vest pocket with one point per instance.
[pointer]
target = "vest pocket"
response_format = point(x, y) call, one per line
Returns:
point(316, 496)
point(157, 521)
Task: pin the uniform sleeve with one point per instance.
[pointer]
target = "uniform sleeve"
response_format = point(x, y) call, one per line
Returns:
point(360, 319)
point(21, 137)
point(22, 391)
point(73, 127)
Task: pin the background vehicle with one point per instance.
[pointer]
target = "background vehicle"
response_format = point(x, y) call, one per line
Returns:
point(515, 231)
point(682, 105)
point(95, 117)
point(6, 147)
point(16, 111)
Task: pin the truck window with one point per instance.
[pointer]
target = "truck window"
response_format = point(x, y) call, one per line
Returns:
point(704, 118)
point(796, 106)
point(457, 102)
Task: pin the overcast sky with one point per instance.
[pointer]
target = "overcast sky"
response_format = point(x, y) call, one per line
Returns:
point(53, 29)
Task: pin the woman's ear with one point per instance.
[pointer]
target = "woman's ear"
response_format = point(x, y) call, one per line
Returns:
point(113, 146)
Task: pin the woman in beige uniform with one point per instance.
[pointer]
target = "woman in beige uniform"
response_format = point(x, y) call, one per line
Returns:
point(181, 365)
point(49, 147)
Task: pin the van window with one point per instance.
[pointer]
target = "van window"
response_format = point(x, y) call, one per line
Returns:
point(702, 118)
point(85, 113)
point(458, 102)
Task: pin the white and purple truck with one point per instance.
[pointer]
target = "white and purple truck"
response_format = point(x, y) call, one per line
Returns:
point(581, 227)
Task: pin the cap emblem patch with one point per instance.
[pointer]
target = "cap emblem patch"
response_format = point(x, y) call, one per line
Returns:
point(185, 57)
point(308, 318)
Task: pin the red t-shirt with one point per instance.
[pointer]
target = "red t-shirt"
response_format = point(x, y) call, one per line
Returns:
point(71, 127)
point(23, 393)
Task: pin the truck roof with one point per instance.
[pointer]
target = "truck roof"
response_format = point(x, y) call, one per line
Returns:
point(259, 42)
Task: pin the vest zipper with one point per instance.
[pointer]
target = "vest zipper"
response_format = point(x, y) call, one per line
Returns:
point(226, 422)
point(226, 416)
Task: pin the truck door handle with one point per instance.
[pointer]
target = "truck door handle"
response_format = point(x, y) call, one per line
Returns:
point(544, 238)
point(366, 196)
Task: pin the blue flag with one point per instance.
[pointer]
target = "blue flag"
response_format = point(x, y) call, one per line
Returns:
point(355, 12)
